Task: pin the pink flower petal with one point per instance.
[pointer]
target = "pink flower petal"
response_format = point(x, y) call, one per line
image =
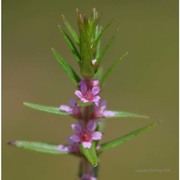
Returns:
point(84, 100)
point(83, 87)
point(108, 113)
point(98, 147)
point(96, 135)
point(86, 144)
point(72, 102)
point(95, 83)
point(77, 128)
point(95, 90)
point(91, 126)
point(69, 140)
point(96, 99)
point(78, 94)
point(65, 108)
point(75, 138)
point(103, 105)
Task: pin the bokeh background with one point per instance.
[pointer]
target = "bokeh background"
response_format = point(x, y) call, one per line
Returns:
point(146, 82)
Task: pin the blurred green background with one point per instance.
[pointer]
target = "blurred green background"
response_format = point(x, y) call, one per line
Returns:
point(146, 82)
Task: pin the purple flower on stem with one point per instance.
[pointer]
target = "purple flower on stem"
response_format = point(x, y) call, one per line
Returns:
point(88, 94)
point(87, 177)
point(73, 146)
point(87, 135)
point(100, 111)
point(73, 109)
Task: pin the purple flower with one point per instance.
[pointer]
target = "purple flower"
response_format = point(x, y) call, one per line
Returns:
point(86, 135)
point(87, 94)
point(100, 111)
point(73, 109)
point(73, 147)
point(87, 177)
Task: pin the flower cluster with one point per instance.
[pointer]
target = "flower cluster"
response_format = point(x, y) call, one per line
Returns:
point(86, 128)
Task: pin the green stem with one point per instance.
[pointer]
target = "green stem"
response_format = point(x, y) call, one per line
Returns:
point(86, 168)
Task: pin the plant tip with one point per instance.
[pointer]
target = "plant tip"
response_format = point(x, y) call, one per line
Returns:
point(94, 165)
point(11, 142)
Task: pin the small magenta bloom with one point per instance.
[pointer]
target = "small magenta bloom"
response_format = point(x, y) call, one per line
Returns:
point(100, 111)
point(89, 94)
point(85, 135)
point(73, 109)
point(87, 177)
point(73, 147)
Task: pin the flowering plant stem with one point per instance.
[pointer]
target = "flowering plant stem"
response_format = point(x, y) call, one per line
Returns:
point(87, 107)
point(87, 168)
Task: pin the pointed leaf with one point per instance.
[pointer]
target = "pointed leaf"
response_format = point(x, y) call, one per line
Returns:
point(123, 139)
point(71, 45)
point(97, 32)
point(38, 146)
point(102, 32)
point(49, 109)
point(105, 76)
point(122, 114)
point(106, 48)
point(99, 72)
point(90, 154)
point(67, 68)
point(71, 30)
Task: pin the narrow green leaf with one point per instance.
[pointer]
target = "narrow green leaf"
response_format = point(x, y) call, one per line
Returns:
point(99, 72)
point(67, 68)
point(108, 45)
point(123, 139)
point(90, 154)
point(102, 32)
point(98, 50)
point(122, 114)
point(38, 146)
point(71, 45)
point(105, 76)
point(71, 30)
point(49, 109)
point(97, 32)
